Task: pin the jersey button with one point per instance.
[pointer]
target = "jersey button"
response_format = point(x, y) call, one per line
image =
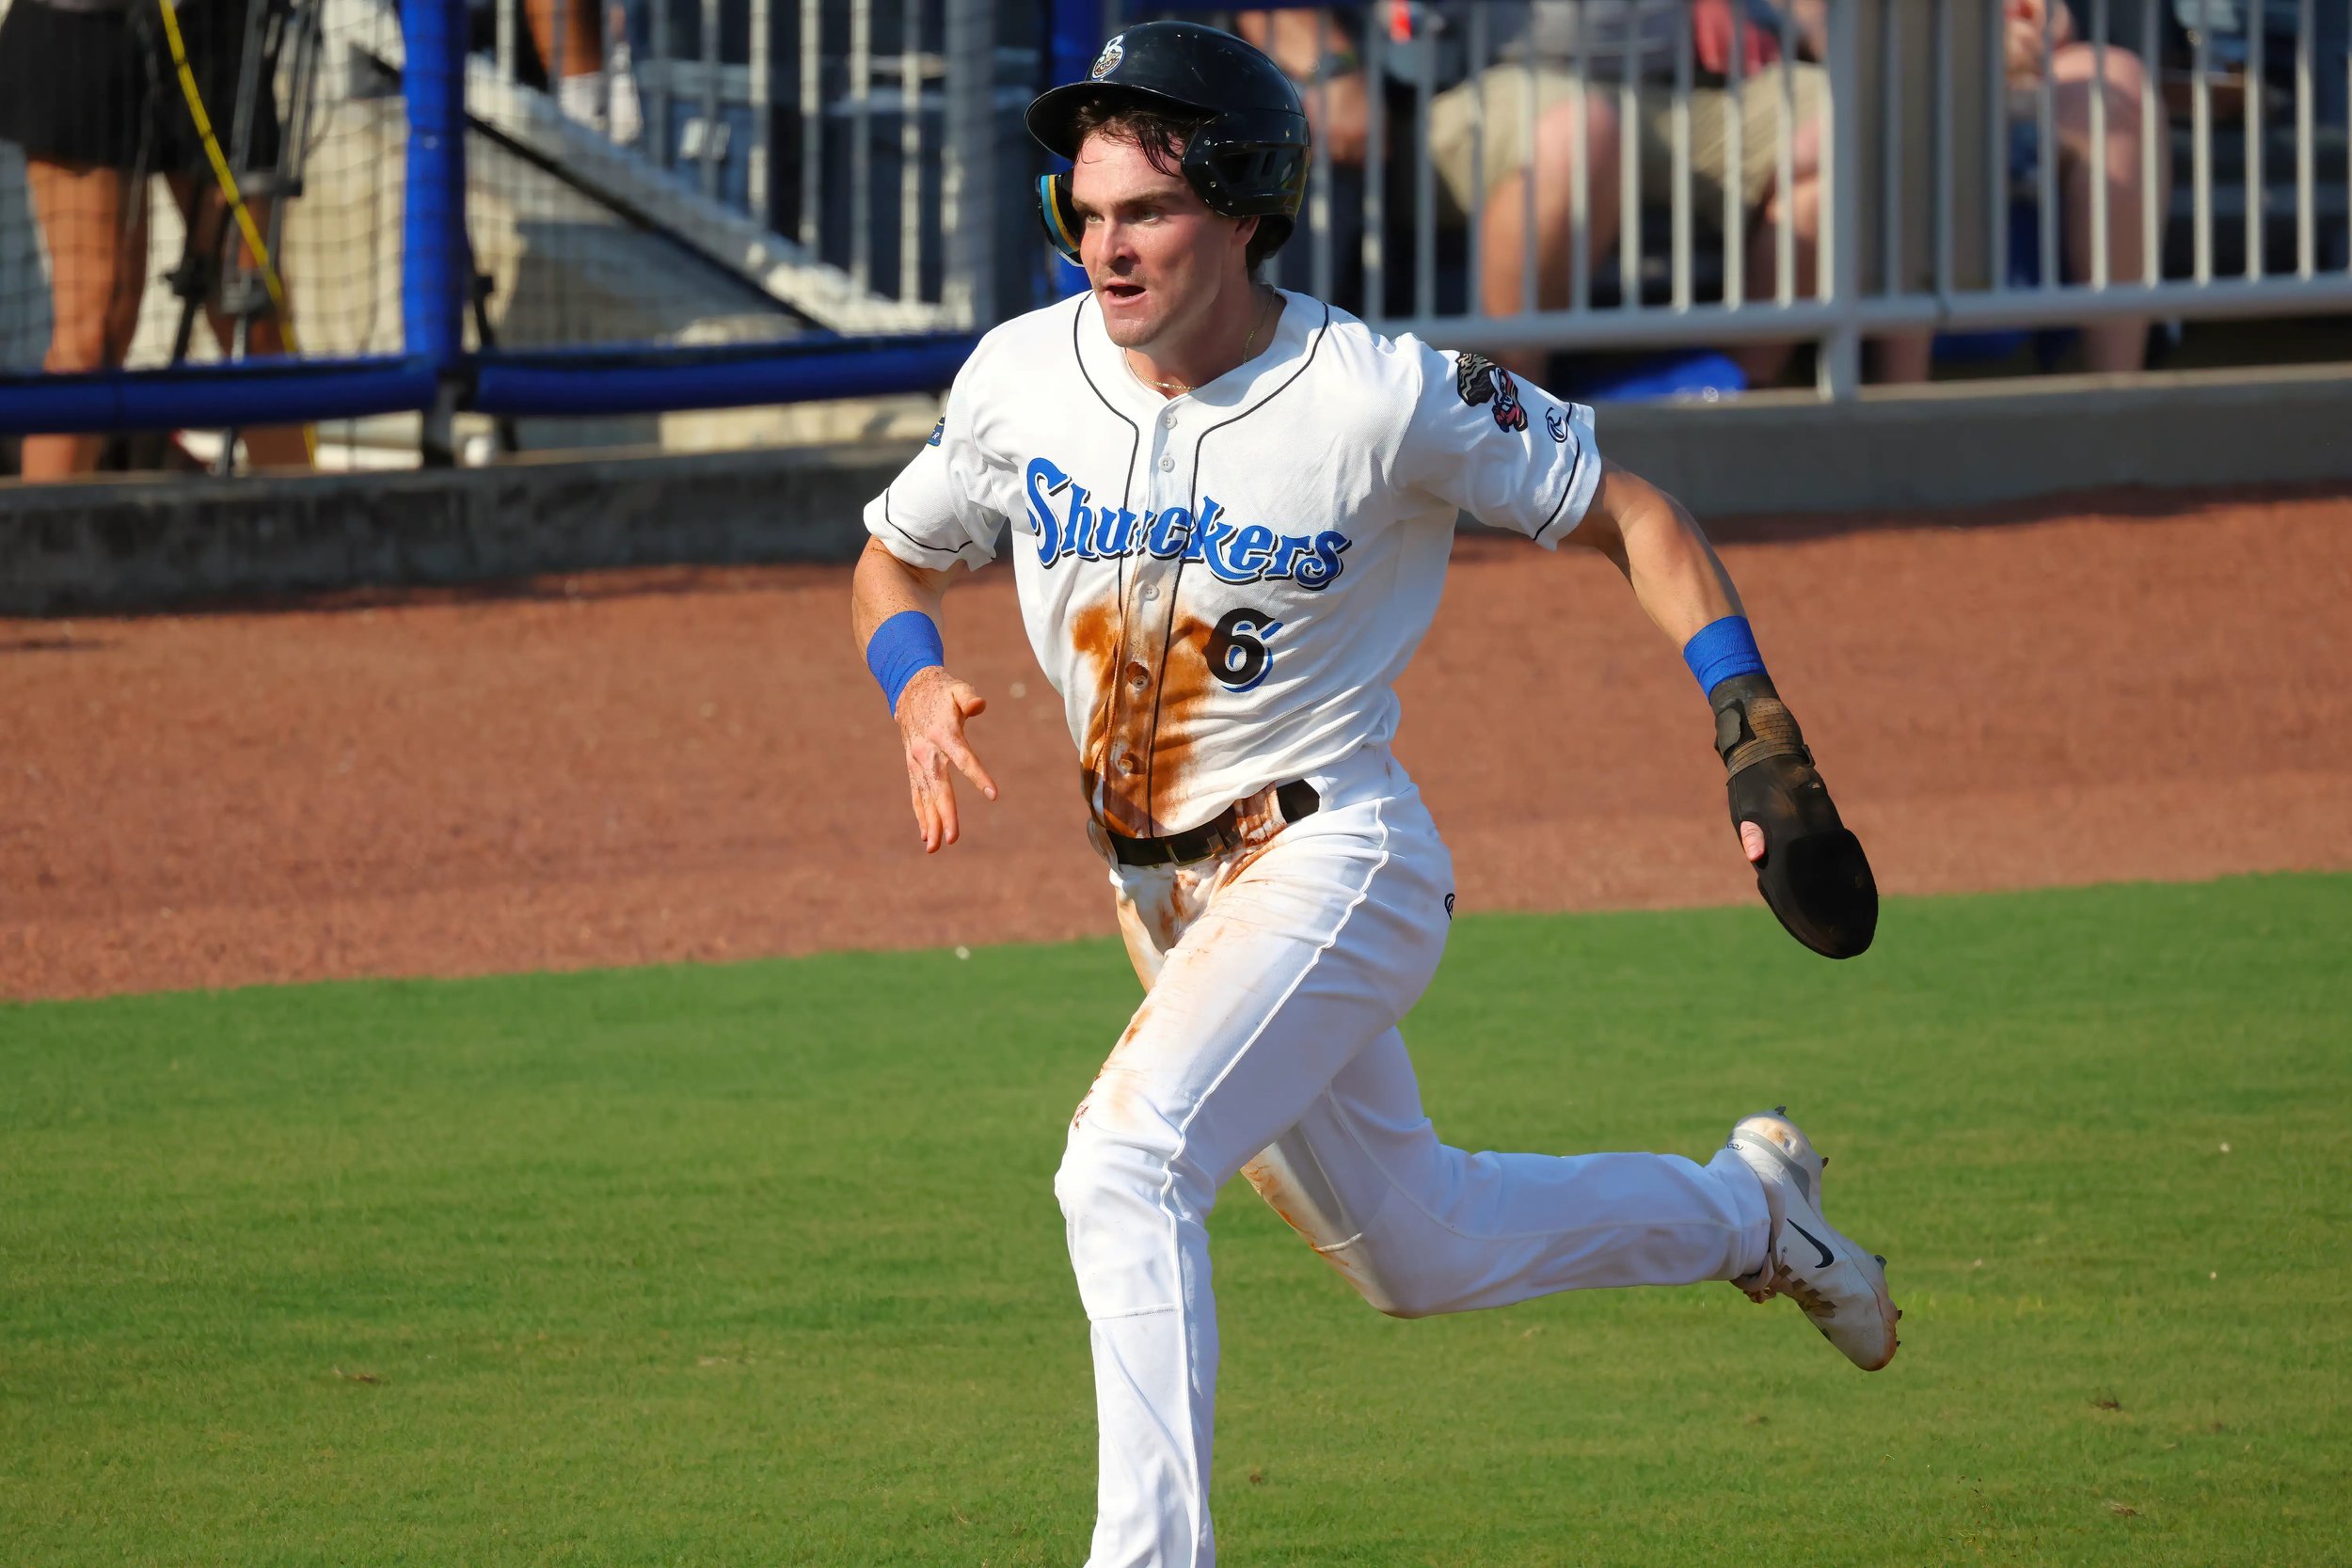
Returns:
point(1151, 590)
point(1138, 676)
point(1167, 464)
point(1126, 764)
point(1168, 420)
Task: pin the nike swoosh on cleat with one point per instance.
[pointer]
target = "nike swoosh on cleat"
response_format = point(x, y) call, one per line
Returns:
point(1826, 1259)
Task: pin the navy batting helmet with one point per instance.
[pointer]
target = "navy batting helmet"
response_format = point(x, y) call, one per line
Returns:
point(1249, 158)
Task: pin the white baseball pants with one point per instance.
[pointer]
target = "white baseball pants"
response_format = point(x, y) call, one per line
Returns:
point(1267, 1044)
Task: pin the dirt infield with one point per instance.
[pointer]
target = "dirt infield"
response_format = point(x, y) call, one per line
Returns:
point(689, 766)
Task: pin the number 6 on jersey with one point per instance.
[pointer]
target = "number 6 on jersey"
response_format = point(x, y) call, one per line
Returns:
point(1238, 655)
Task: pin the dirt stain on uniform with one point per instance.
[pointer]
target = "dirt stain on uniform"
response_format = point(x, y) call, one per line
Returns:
point(1290, 1208)
point(1143, 726)
point(1117, 1099)
point(1135, 1027)
point(1278, 1194)
point(1112, 1063)
point(1141, 933)
point(1260, 822)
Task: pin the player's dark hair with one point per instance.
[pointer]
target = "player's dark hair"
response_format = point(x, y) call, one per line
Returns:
point(1163, 135)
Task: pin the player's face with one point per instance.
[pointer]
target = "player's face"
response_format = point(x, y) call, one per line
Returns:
point(1159, 261)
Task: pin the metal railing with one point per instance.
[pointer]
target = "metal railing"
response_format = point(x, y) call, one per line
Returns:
point(1917, 191)
point(755, 130)
point(860, 165)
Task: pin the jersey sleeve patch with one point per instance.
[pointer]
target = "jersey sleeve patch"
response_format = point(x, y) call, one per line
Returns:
point(1480, 380)
point(1502, 449)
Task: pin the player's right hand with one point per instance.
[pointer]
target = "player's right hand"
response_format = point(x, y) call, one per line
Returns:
point(931, 714)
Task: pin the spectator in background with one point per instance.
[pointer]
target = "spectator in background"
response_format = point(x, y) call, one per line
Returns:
point(1549, 34)
point(1318, 51)
point(2109, 344)
point(1896, 135)
point(579, 79)
point(89, 90)
point(1614, 38)
point(605, 101)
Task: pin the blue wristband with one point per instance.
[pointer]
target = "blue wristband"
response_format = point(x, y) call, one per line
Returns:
point(1720, 650)
point(901, 646)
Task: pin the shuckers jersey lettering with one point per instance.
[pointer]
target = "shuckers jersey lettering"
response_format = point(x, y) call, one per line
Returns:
point(1223, 586)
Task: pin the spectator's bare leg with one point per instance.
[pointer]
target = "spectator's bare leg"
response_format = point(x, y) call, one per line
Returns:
point(1503, 233)
point(577, 82)
point(583, 50)
point(2114, 344)
point(270, 446)
point(1900, 358)
point(1765, 363)
point(1297, 39)
point(93, 222)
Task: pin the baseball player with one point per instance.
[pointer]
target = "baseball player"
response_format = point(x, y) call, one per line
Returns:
point(1229, 511)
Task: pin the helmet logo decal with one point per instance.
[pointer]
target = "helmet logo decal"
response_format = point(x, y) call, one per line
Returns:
point(1108, 61)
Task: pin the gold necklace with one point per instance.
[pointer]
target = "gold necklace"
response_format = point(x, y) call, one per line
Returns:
point(1257, 321)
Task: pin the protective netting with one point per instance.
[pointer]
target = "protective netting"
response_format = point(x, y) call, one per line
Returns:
point(668, 178)
point(704, 172)
point(118, 244)
point(707, 172)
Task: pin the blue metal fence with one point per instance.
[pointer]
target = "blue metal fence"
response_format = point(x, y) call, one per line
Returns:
point(436, 371)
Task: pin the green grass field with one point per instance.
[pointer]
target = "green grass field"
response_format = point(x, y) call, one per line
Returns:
point(760, 1264)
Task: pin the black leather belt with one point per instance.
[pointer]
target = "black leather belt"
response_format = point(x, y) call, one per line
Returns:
point(1221, 833)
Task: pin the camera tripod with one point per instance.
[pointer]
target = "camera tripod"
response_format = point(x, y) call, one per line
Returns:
point(282, 38)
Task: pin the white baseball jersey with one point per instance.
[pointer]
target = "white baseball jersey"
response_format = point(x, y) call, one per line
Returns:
point(1223, 586)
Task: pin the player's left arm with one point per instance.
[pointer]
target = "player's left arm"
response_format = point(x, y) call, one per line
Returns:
point(1810, 867)
point(1514, 457)
point(1676, 575)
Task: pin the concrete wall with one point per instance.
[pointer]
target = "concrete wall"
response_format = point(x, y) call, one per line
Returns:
point(142, 545)
point(145, 545)
point(1970, 444)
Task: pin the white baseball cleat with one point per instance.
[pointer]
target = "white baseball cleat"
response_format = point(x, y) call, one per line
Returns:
point(1841, 1287)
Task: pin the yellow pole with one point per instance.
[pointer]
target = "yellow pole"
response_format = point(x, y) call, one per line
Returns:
point(226, 180)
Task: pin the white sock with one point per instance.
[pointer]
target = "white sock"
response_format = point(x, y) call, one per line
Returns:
point(582, 98)
point(625, 115)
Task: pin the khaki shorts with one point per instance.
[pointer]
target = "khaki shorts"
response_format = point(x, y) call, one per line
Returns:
point(1454, 120)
